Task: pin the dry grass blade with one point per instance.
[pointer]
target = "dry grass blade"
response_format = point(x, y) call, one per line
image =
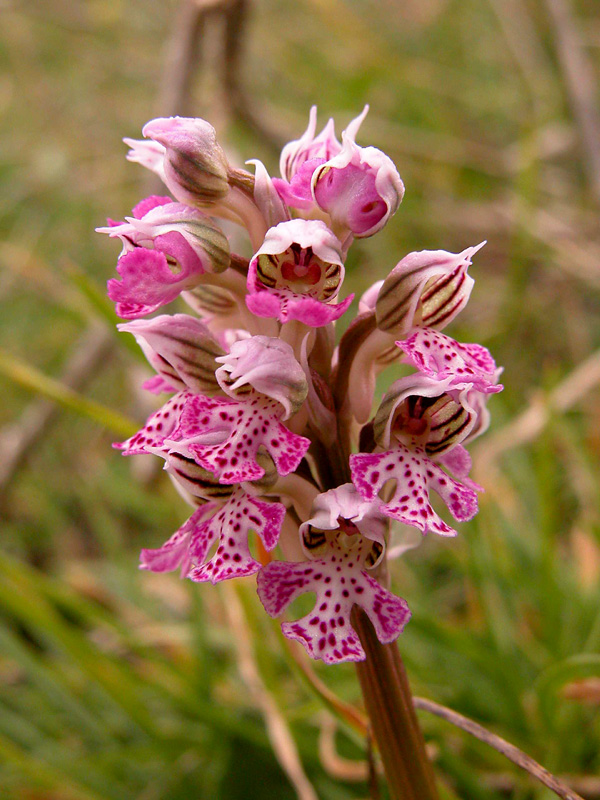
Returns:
point(338, 767)
point(511, 752)
point(280, 736)
point(580, 85)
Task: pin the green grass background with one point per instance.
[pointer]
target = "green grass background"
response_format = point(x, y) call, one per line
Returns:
point(116, 684)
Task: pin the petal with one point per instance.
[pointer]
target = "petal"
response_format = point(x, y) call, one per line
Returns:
point(326, 632)
point(266, 196)
point(309, 146)
point(286, 306)
point(184, 234)
point(149, 154)
point(230, 526)
point(158, 426)
point(148, 203)
point(298, 192)
point(414, 475)
point(147, 283)
point(158, 385)
point(440, 357)
point(175, 552)
point(224, 436)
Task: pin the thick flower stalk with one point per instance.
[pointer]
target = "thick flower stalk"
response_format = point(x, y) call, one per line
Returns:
point(271, 430)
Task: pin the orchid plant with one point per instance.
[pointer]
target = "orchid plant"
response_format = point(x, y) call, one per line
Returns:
point(272, 431)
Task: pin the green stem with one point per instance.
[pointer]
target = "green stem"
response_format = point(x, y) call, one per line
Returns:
point(389, 703)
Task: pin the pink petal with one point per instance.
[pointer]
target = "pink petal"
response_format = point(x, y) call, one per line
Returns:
point(309, 146)
point(440, 357)
point(339, 583)
point(147, 282)
point(230, 526)
point(148, 203)
point(158, 427)
point(285, 306)
point(224, 437)
point(176, 551)
point(157, 385)
point(415, 474)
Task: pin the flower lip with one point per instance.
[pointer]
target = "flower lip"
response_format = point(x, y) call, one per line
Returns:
point(427, 288)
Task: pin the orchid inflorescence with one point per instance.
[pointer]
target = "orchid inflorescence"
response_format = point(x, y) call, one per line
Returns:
point(269, 431)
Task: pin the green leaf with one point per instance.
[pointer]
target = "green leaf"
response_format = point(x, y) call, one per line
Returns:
point(31, 378)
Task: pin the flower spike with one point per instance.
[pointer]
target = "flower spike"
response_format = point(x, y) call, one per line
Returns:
point(269, 419)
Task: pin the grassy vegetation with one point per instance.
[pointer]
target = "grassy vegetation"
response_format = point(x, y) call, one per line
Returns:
point(116, 684)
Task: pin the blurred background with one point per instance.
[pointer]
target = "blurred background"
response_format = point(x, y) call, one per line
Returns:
point(116, 684)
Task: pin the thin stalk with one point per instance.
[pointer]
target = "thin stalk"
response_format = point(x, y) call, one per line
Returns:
point(389, 704)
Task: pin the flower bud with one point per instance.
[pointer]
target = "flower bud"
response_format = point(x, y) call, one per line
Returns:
point(360, 188)
point(195, 166)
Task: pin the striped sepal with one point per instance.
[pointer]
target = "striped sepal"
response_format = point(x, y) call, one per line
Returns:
point(426, 288)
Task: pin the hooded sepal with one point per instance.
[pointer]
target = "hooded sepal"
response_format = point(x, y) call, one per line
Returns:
point(297, 273)
point(360, 189)
point(427, 288)
point(267, 366)
point(343, 508)
point(195, 166)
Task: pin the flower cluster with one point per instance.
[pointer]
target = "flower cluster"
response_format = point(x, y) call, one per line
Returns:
point(271, 430)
